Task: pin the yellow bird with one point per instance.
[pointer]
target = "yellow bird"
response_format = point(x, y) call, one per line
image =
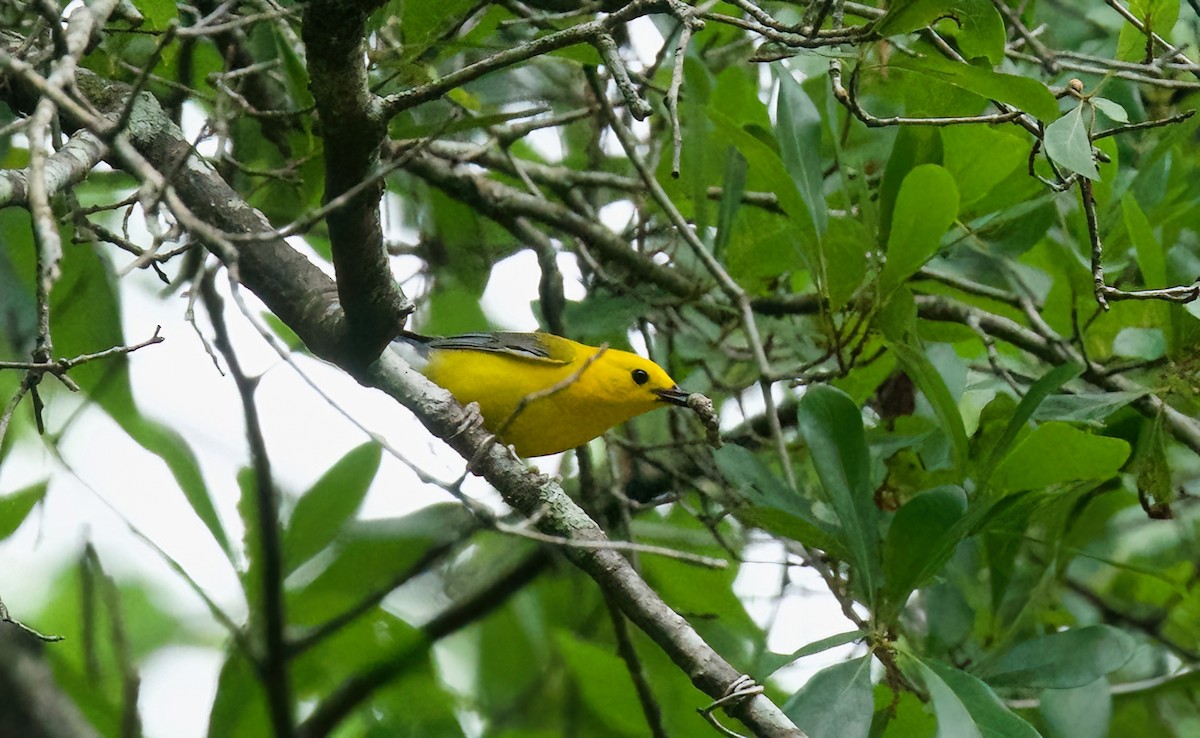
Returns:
point(572, 393)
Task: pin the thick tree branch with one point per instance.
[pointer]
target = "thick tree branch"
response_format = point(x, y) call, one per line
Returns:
point(353, 127)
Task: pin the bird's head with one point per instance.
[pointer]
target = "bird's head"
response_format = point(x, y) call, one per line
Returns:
point(628, 378)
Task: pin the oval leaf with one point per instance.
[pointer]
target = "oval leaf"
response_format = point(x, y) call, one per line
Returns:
point(921, 539)
point(836, 703)
point(329, 503)
point(1064, 660)
point(1067, 143)
point(831, 425)
point(925, 207)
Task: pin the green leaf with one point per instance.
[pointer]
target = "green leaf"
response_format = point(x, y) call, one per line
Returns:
point(978, 28)
point(369, 555)
point(158, 13)
point(1082, 711)
point(845, 246)
point(253, 554)
point(776, 508)
point(167, 444)
point(773, 662)
point(86, 315)
point(1113, 110)
point(953, 718)
point(922, 372)
point(1041, 389)
point(836, 702)
point(904, 17)
point(799, 134)
point(990, 715)
point(914, 145)
point(328, 504)
point(925, 207)
point(831, 425)
point(1146, 344)
point(1055, 453)
point(603, 681)
point(921, 539)
point(1158, 16)
point(1155, 491)
point(16, 506)
point(1150, 256)
point(767, 171)
point(239, 708)
point(980, 158)
point(1025, 93)
point(732, 189)
point(1068, 145)
point(1063, 660)
point(425, 22)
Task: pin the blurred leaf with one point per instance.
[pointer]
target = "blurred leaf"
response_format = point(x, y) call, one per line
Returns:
point(86, 318)
point(732, 189)
point(831, 425)
point(239, 708)
point(1065, 660)
point(1056, 452)
point(1155, 491)
point(603, 681)
point(1067, 143)
point(602, 317)
point(925, 207)
point(836, 702)
point(1146, 344)
point(1077, 713)
point(845, 246)
point(252, 551)
point(980, 158)
point(766, 170)
point(16, 506)
point(371, 554)
point(158, 13)
point(329, 503)
point(1159, 16)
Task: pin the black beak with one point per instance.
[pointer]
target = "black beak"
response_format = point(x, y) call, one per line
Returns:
point(674, 396)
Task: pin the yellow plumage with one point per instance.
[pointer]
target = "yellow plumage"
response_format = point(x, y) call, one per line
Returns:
point(498, 370)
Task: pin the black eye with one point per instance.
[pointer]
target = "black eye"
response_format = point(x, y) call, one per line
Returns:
point(640, 376)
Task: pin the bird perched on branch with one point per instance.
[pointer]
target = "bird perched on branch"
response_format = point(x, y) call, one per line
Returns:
point(539, 392)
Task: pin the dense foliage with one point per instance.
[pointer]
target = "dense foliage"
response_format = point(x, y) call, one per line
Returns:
point(934, 259)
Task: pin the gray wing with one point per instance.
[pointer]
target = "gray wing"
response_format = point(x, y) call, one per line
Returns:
point(527, 345)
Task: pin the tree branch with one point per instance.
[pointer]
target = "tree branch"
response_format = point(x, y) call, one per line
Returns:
point(352, 126)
